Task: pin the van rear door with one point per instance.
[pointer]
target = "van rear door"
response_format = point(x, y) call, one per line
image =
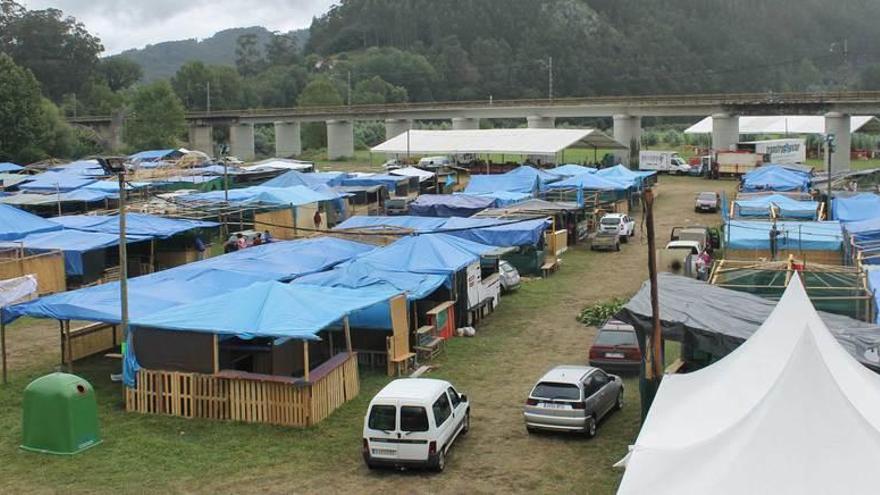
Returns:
point(381, 431)
point(414, 434)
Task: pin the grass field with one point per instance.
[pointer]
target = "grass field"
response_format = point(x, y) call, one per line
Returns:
point(533, 330)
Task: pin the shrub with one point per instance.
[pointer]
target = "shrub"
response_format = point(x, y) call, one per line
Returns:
point(596, 314)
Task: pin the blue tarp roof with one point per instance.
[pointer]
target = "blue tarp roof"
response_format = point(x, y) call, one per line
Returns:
point(88, 168)
point(570, 170)
point(55, 182)
point(74, 243)
point(389, 181)
point(504, 198)
point(194, 281)
point(864, 230)
point(449, 205)
point(265, 309)
point(807, 236)
point(775, 178)
point(854, 208)
point(294, 195)
point(497, 231)
point(624, 175)
point(296, 178)
point(787, 207)
point(532, 172)
point(439, 254)
point(591, 182)
point(136, 224)
point(9, 167)
point(482, 184)
point(15, 223)
point(417, 224)
point(150, 155)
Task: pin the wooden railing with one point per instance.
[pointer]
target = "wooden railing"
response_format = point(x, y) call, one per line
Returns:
point(248, 397)
point(47, 267)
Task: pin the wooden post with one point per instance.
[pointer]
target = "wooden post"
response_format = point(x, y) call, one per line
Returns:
point(216, 354)
point(3, 347)
point(152, 255)
point(61, 338)
point(330, 339)
point(347, 329)
point(306, 360)
point(653, 368)
point(67, 347)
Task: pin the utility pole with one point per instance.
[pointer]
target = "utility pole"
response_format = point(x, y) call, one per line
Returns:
point(829, 149)
point(653, 361)
point(550, 78)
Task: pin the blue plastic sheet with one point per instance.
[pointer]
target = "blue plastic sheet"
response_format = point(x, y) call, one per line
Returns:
point(530, 172)
point(151, 155)
point(775, 178)
point(591, 182)
point(806, 236)
point(498, 232)
point(294, 195)
point(15, 223)
point(439, 254)
point(10, 167)
point(51, 182)
point(505, 198)
point(265, 309)
point(450, 205)
point(571, 170)
point(482, 184)
point(296, 178)
point(786, 207)
point(389, 181)
point(73, 243)
point(619, 173)
point(416, 224)
point(863, 206)
point(136, 224)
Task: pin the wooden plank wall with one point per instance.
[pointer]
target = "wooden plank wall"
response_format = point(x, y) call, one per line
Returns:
point(194, 395)
point(93, 339)
point(47, 267)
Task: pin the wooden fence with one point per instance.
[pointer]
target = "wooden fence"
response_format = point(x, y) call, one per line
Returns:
point(248, 397)
point(47, 267)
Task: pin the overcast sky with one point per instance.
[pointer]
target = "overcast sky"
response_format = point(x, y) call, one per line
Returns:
point(123, 24)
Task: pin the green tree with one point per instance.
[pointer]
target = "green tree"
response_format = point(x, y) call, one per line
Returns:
point(376, 91)
point(156, 119)
point(870, 77)
point(282, 50)
point(19, 111)
point(59, 50)
point(248, 59)
point(319, 92)
point(279, 86)
point(194, 81)
point(119, 73)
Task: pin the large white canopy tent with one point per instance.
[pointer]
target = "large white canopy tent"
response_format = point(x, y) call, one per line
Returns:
point(788, 124)
point(789, 411)
point(496, 141)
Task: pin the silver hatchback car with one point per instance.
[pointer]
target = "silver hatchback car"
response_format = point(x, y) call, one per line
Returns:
point(572, 398)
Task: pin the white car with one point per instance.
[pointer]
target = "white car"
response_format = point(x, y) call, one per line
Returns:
point(412, 422)
point(619, 223)
point(510, 278)
point(435, 162)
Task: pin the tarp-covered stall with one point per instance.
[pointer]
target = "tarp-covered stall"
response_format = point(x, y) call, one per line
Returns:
point(776, 206)
point(15, 223)
point(817, 242)
point(775, 178)
point(449, 205)
point(862, 206)
point(789, 411)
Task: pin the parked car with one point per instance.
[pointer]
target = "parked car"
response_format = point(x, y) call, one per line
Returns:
point(413, 422)
point(392, 164)
point(707, 201)
point(397, 206)
point(616, 349)
point(602, 241)
point(510, 279)
point(618, 223)
point(435, 162)
point(572, 398)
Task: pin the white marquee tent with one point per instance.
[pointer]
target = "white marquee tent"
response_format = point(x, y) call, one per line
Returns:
point(508, 141)
point(789, 411)
point(787, 124)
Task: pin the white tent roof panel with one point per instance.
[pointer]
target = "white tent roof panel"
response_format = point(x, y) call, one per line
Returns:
point(510, 141)
point(787, 124)
point(789, 411)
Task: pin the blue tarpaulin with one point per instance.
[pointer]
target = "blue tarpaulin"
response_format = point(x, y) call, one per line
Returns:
point(294, 195)
point(450, 205)
point(805, 236)
point(775, 178)
point(591, 182)
point(265, 309)
point(482, 184)
point(497, 231)
point(505, 198)
point(10, 167)
point(571, 170)
point(51, 182)
point(136, 224)
point(15, 223)
point(864, 230)
point(785, 207)
point(297, 178)
point(530, 172)
point(619, 173)
point(151, 155)
point(417, 224)
point(854, 208)
point(389, 181)
point(194, 281)
point(88, 168)
point(439, 254)
point(73, 243)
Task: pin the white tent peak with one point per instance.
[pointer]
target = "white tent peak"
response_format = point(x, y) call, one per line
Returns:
point(790, 411)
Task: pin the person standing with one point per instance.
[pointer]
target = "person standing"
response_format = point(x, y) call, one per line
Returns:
point(318, 220)
point(774, 236)
point(201, 248)
point(267, 237)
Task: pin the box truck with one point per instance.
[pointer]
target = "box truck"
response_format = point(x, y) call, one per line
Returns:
point(781, 151)
point(663, 161)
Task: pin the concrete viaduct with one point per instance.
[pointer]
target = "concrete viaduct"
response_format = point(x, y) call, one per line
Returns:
point(627, 112)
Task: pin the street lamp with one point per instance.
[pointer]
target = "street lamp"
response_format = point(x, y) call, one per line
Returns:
point(116, 166)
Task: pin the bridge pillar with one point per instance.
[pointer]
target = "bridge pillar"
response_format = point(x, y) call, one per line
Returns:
point(839, 125)
point(288, 140)
point(465, 123)
point(396, 127)
point(538, 122)
point(241, 141)
point(340, 139)
point(725, 131)
point(201, 138)
point(628, 132)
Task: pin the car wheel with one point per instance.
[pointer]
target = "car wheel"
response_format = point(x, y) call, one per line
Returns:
point(371, 466)
point(441, 461)
point(632, 233)
point(466, 425)
point(624, 239)
point(592, 427)
point(619, 403)
point(531, 431)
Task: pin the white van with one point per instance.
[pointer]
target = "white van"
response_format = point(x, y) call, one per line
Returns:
point(412, 422)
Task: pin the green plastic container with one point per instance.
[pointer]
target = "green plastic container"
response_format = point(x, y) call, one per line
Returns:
point(60, 415)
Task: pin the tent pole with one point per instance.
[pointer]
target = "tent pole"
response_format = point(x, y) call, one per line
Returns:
point(306, 360)
point(3, 347)
point(67, 348)
point(347, 328)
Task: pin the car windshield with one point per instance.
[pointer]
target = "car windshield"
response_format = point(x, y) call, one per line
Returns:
point(707, 196)
point(413, 418)
point(506, 268)
point(382, 418)
point(613, 338)
point(610, 221)
point(549, 390)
